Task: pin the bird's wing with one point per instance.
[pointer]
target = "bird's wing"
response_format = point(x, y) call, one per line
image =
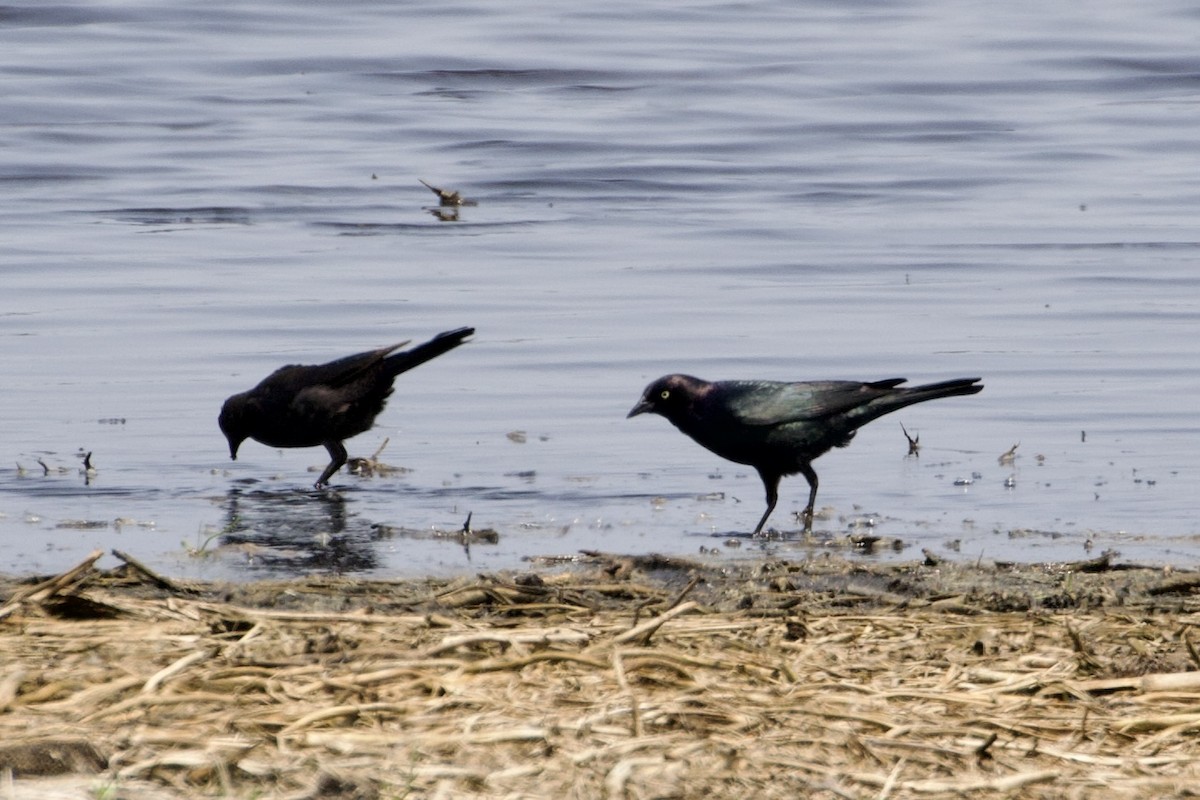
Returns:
point(335, 374)
point(774, 403)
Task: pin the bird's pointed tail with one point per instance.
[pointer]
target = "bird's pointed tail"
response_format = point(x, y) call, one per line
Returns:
point(901, 396)
point(947, 388)
point(442, 343)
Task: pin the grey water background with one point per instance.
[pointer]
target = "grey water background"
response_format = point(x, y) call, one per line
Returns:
point(193, 195)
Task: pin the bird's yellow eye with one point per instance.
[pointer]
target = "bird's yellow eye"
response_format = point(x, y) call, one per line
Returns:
point(666, 393)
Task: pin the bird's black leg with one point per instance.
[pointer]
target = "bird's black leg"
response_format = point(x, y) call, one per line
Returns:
point(807, 471)
point(337, 452)
point(771, 484)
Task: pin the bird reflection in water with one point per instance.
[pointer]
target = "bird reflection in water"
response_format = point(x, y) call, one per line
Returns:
point(298, 532)
point(314, 531)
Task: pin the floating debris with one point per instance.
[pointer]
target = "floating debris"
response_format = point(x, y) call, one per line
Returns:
point(82, 524)
point(366, 467)
point(468, 535)
point(88, 470)
point(1009, 456)
point(130, 522)
point(448, 197)
point(48, 470)
point(465, 535)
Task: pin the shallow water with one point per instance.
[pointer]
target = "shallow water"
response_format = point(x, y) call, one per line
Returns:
point(193, 198)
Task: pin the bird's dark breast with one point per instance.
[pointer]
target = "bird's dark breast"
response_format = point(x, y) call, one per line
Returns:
point(317, 414)
point(777, 448)
point(272, 437)
point(312, 429)
point(347, 417)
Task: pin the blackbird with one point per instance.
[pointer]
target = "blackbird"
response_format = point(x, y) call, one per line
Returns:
point(325, 404)
point(779, 428)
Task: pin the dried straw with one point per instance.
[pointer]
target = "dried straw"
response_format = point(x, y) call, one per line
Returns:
point(576, 686)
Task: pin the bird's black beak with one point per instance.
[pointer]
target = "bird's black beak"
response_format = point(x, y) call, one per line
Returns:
point(233, 448)
point(644, 406)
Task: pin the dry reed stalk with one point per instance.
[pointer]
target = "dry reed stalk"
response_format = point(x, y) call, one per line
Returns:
point(40, 591)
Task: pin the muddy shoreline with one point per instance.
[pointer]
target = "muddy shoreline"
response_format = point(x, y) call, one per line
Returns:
point(828, 580)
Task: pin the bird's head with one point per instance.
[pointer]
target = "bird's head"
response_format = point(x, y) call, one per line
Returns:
point(235, 423)
point(669, 396)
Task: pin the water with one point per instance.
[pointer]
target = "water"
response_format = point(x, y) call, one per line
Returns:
point(195, 196)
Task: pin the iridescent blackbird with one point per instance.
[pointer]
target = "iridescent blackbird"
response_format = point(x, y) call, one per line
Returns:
point(779, 428)
point(325, 404)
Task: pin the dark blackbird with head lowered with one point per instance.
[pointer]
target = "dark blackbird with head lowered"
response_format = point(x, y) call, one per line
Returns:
point(325, 404)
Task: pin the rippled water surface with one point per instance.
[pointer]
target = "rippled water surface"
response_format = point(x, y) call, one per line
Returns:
point(194, 196)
